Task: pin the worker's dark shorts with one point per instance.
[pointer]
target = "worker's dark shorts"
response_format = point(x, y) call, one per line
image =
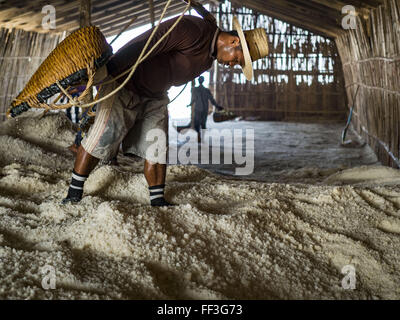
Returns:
point(139, 123)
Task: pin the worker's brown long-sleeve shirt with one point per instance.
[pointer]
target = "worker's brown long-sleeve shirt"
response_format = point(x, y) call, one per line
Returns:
point(186, 53)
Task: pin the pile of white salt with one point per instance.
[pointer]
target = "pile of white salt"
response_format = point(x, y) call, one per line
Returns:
point(225, 238)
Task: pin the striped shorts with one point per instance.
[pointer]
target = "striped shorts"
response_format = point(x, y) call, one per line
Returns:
point(140, 124)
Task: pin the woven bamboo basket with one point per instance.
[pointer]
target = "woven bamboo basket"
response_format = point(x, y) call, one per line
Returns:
point(82, 52)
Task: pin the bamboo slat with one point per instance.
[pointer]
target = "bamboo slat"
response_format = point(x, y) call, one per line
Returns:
point(21, 53)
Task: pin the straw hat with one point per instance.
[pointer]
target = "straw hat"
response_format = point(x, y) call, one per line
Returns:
point(254, 44)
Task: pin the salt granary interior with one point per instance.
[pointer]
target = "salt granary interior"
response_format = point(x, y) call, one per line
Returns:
point(200, 150)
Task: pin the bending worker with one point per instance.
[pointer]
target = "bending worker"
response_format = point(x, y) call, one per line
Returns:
point(200, 97)
point(141, 106)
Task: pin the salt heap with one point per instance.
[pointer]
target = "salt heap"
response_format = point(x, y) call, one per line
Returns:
point(226, 239)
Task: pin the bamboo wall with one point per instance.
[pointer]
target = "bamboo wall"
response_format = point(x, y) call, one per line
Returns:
point(300, 80)
point(21, 53)
point(371, 61)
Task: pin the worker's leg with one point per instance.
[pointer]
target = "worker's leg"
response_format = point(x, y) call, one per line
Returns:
point(84, 164)
point(197, 125)
point(203, 124)
point(113, 121)
point(154, 173)
point(148, 139)
point(155, 177)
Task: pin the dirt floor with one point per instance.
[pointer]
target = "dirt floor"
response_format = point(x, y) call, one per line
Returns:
point(316, 209)
point(287, 152)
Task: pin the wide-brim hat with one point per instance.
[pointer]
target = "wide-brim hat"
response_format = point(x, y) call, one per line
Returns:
point(254, 44)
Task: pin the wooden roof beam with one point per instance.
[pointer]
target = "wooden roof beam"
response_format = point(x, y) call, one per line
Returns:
point(175, 8)
point(304, 10)
point(113, 29)
point(8, 9)
point(96, 10)
point(363, 9)
point(103, 12)
point(339, 4)
point(106, 21)
point(141, 12)
point(317, 27)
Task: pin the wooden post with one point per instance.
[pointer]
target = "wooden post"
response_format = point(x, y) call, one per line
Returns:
point(85, 13)
point(152, 15)
point(85, 21)
point(193, 84)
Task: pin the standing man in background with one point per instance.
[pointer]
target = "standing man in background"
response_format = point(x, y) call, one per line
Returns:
point(200, 97)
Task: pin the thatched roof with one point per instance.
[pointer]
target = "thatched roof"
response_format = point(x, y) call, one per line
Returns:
point(320, 16)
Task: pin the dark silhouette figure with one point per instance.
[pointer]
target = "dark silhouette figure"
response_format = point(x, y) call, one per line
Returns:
point(200, 97)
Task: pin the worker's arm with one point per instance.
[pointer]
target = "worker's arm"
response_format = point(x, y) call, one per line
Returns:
point(211, 98)
point(193, 97)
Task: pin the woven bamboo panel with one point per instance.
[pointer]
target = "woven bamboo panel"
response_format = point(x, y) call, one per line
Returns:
point(371, 61)
point(21, 53)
